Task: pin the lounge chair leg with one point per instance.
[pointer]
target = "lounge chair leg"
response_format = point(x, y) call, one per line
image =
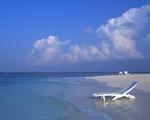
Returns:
point(104, 98)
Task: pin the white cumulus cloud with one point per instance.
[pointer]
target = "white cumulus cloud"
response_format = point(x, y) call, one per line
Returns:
point(121, 33)
point(46, 50)
point(117, 40)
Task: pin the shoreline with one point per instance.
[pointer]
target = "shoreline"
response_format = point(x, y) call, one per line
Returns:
point(123, 80)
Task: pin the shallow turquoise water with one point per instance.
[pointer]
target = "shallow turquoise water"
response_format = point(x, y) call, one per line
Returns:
point(39, 97)
point(64, 97)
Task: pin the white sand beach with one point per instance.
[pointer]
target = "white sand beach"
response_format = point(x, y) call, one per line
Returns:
point(124, 80)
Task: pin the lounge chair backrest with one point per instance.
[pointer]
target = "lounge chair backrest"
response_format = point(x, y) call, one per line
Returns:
point(129, 88)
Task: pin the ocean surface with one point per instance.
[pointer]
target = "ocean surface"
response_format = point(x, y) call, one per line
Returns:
point(64, 96)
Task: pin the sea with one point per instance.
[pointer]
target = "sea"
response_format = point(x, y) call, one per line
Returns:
point(65, 96)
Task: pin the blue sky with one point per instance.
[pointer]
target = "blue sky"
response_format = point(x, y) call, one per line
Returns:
point(74, 35)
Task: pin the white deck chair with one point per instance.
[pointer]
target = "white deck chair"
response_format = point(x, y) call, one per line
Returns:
point(116, 95)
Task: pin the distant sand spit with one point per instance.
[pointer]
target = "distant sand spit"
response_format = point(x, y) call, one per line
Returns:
point(124, 80)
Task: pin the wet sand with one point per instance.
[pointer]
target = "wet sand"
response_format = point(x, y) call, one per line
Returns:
point(124, 80)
